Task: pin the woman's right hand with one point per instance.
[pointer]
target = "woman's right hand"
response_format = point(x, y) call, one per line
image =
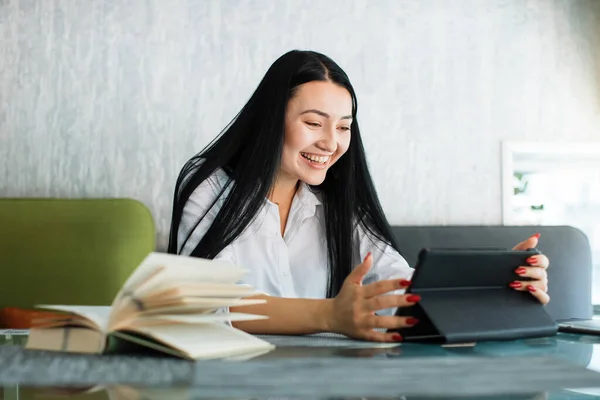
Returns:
point(352, 311)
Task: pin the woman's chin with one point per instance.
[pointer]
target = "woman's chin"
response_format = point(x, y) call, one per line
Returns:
point(314, 178)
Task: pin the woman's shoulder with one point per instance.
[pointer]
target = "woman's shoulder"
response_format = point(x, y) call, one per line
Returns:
point(219, 178)
point(212, 186)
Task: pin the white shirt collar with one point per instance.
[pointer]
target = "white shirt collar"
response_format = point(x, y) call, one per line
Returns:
point(304, 204)
point(307, 196)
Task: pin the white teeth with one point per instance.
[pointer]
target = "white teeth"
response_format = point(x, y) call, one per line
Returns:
point(317, 159)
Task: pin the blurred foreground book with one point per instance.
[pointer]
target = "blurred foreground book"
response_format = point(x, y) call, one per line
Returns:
point(171, 304)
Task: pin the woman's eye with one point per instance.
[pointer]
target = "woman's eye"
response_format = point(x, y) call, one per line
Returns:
point(345, 128)
point(313, 124)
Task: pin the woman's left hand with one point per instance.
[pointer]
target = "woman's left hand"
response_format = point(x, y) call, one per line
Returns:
point(536, 270)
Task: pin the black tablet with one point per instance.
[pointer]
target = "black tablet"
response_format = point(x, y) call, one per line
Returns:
point(465, 296)
point(447, 268)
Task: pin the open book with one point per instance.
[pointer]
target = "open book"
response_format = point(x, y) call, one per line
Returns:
point(171, 304)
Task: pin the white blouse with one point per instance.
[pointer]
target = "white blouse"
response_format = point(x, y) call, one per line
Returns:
point(294, 265)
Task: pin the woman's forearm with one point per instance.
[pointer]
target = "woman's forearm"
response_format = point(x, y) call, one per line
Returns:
point(286, 316)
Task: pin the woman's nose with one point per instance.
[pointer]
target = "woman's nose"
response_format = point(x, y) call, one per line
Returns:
point(328, 142)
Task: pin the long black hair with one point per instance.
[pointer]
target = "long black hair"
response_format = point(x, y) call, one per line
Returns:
point(249, 151)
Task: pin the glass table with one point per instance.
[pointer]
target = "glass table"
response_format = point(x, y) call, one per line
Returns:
point(326, 366)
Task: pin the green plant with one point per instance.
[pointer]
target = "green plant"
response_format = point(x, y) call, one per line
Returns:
point(521, 178)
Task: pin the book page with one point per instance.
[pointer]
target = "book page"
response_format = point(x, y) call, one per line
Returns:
point(200, 305)
point(180, 269)
point(207, 341)
point(98, 315)
point(149, 267)
point(185, 306)
point(69, 320)
point(160, 271)
point(185, 289)
point(192, 319)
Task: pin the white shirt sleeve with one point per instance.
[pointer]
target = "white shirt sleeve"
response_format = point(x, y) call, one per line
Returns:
point(387, 262)
point(200, 200)
point(197, 205)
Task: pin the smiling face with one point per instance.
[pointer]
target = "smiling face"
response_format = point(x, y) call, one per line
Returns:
point(317, 131)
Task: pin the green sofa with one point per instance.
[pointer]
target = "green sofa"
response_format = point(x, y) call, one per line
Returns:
point(70, 251)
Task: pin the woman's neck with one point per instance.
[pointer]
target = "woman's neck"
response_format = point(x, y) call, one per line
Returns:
point(283, 194)
point(283, 191)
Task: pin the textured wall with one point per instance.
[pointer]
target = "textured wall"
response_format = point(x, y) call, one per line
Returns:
point(109, 98)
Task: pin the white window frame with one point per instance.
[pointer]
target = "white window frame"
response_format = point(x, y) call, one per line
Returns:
point(577, 154)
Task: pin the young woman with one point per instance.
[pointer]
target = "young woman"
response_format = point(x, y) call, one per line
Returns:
point(285, 192)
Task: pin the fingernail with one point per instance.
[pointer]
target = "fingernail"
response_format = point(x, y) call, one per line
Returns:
point(404, 283)
point(531, 289)
point(412, 321)
point(413, 298)
point(515, 285)
point(397, 338)
point(531, 260)
point(520, 270)
point(367, 256)
point(536, 235)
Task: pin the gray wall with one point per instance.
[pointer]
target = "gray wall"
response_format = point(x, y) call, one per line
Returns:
point(109, 98)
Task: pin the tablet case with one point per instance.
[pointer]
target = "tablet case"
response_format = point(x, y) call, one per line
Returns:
point(465, 297)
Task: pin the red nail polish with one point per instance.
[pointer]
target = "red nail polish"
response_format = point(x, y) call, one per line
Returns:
point(531, 260)
point(536, 235)
point(520, 270)
point(531, 289)
point(404, 283)
point(515, 285)
point(413, 298)
point(397, 338)
point(412, 321)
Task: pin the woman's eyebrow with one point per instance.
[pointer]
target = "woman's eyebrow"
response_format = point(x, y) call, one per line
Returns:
point(322, 113)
